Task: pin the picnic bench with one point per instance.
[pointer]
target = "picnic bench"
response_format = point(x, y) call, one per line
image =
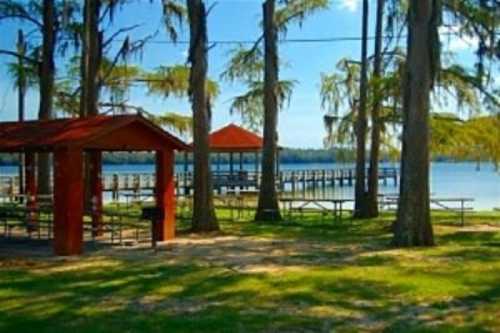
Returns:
point(320, 205)
point(391, 202)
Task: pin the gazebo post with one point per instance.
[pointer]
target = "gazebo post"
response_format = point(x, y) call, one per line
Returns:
point(68, 201)
point(186, 169)
point(256, 169)
point(96, 191)
point(231, 162)
point(30, 186)
point(165, 194)
point(231, 170)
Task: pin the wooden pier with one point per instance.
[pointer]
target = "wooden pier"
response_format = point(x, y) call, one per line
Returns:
point(287, 181)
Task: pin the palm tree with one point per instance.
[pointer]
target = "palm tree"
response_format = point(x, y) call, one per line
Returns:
point(413, 225)
point(204, 218)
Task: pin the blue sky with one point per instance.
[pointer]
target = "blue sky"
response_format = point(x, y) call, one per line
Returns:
point(300, 124)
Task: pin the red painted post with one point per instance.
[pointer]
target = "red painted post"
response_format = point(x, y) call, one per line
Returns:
point(165, 194)
point(96, 191)
point(68, 202)
point(31, 188)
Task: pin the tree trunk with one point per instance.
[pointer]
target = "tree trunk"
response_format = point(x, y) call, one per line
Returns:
point(360, 206)
point(413, 225)
point(268, 208)
point(21, 94)
point(90, 87)
point(372, 199)
point(47, 73)
point(91, 60)
point(204, 218)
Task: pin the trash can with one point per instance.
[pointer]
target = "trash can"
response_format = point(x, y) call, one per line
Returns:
point(156, 216)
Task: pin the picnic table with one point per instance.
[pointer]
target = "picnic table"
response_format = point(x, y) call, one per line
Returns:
point(319, 204)
point(136, 197)
point(442, 203)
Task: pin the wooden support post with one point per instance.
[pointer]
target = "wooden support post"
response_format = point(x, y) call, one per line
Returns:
point(31, 188)
point(165, 194)
point(95, 158)
point(257, 170)
point(68, 202)
point(115, 187)
point(241, 180)
point(231, 170)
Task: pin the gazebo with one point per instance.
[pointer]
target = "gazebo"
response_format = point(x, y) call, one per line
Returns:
point(68, 139)
point(235, 140)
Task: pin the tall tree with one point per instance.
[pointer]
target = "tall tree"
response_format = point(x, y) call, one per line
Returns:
point(91, 58)
point(360, 206)
point(21, 82)
point(413, 225)
point(246, 65)
point(268, 208)
point(47, 75)
point(372, 195)
point(204, 218)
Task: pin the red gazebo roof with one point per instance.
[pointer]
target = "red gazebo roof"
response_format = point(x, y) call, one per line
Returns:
point(124, 132)
point(233, 138)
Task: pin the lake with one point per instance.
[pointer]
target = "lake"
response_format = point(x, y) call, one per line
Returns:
point(450, 180)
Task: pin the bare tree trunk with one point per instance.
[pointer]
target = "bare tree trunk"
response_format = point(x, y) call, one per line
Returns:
point(360, 206)
point(413, 225)
point(47, 73)
point(268, 208)
point(204, 218)
point(21, 93)
point(90, 87)
point(91, 59)
point(372, 199)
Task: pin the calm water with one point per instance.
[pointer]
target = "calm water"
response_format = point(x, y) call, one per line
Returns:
point(448, 180)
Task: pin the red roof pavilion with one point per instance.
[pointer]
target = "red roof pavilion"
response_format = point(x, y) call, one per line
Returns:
point(68, 139)
point(233, 138)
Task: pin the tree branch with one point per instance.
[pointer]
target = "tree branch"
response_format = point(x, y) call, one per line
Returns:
point(20, 56)
point(119, 32)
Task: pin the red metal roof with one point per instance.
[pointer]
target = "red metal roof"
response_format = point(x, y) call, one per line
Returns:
point(99, 132)
point(234, 138)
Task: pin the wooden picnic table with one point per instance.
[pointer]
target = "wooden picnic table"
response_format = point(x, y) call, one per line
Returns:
point(442, 203)
point(318, 203)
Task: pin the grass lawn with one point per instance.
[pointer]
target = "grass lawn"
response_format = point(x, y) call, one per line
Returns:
point(307, 276)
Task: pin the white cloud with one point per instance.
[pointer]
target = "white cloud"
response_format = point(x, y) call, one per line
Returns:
point(350, 5)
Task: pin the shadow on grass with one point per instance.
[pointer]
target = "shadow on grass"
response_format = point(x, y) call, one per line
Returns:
point(335, 288)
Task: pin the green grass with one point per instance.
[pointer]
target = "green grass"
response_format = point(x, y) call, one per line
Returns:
point(294, 277)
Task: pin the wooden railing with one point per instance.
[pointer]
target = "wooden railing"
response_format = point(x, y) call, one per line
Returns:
point(286, 180)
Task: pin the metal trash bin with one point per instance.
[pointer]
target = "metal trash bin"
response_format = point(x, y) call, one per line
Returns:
point(156, 216)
